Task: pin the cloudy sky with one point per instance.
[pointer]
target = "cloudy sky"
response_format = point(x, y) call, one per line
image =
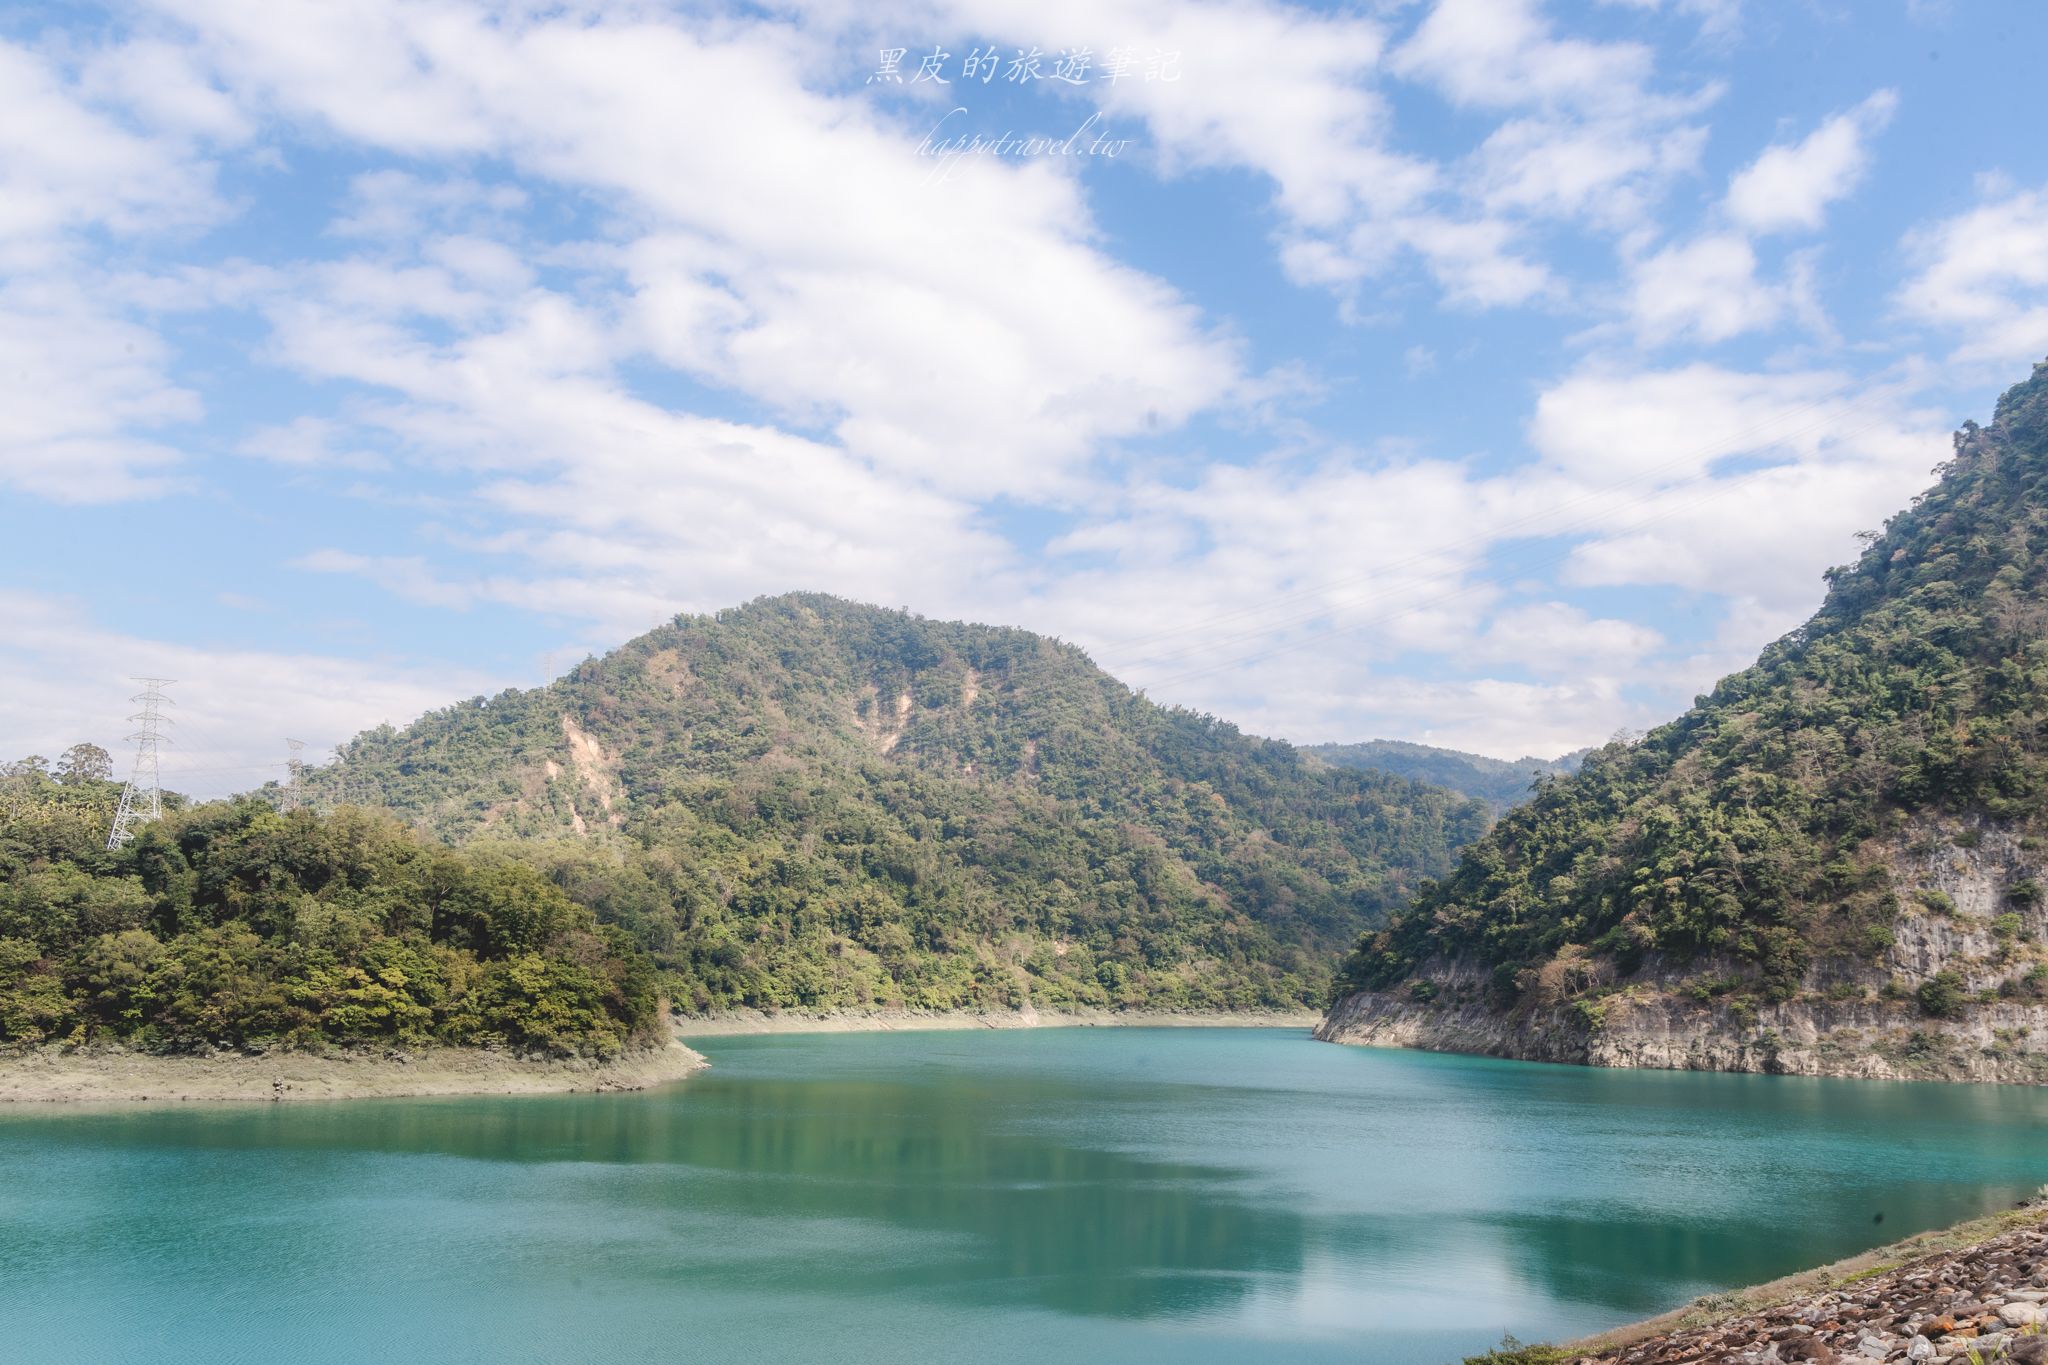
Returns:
point(1492, 373)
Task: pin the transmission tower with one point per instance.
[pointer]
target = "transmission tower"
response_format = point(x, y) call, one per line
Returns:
point(295, 776)
point(342, 784)
point(142, 800)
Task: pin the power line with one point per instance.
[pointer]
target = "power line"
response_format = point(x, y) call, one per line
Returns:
point(142, 800)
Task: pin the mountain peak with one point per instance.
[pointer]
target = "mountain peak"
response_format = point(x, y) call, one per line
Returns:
point(882, 807)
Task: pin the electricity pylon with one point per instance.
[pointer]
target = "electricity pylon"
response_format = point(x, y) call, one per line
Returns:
point(142, 800)
point(295, 776)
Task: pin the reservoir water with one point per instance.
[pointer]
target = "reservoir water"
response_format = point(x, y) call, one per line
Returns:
point(1070, 1195)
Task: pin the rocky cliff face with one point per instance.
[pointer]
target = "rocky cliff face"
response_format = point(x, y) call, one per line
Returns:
point(1871, 1041)
point(1972, 915)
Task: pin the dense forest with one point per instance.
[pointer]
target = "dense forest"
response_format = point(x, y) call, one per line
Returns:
point(806, 802)
point(1499, 782)
point(229, 924)
point(1755, 835)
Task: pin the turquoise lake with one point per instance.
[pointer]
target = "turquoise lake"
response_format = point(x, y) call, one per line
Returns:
point(1064, 1195)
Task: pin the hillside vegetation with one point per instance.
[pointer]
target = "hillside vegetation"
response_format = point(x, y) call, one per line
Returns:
point(230, 925)
point(809, 802)
point(1782, 835)
point(1498, 782)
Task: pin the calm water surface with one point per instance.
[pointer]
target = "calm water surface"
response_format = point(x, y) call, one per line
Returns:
point(1073, 1195)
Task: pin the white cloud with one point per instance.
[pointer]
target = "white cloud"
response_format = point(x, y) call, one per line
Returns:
point(1000, 369)
point(1287, 93)
point(1709, 288)
point(309, 442)
point(167, 86)
point(65, 165)
point(1476, 263)
point(1741, 484)
point(398, 206)
point(1705, 289)
point(1282, 596)
point(1983, 274)
point(1792, 186)
point(1611, 171)
point(1556, 639)
point(406, 576)
point(1298, 97)
point(85, 390)
point(75, 383)
point(64, 679)
point(1589, 141)
point(621, 512)
point(1610, 424)
point(1502, 53)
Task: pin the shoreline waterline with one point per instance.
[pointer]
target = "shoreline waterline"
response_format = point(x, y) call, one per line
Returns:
point(62, 1078)
point(741, 1023)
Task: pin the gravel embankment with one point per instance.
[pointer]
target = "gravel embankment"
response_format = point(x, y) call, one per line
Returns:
point(1984, 1301)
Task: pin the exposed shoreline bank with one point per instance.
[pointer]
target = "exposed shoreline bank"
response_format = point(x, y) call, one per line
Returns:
point(735, 1023)
point(112, 1076)
point(1921, 1286)
point(2002, 1043)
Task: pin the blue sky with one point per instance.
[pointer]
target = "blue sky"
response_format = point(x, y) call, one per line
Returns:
point(1491, 373)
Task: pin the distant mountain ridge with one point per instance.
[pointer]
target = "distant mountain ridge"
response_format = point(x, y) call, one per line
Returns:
point(808, 802)
point(1498, 782)
point(1834, 862)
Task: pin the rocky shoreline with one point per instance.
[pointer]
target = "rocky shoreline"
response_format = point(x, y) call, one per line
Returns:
point(1974, 1293)
point(113, 1075)
point(1659, 1030)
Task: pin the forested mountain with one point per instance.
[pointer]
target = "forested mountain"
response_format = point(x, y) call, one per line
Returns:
point(809, 802)
point(230, 924)
point(1498, 782)
point(1856, 817)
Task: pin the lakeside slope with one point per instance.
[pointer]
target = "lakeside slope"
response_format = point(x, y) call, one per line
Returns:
point(112, 1075)
point(1937, 1296)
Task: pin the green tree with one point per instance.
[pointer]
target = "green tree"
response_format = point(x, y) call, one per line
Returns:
point(84, 763)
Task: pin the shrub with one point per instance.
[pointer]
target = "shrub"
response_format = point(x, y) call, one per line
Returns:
point(1942, 995)
point(1513, 1352)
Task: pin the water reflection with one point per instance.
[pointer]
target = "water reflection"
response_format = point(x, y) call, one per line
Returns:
point(987, 1213)
point(1313, 1202)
